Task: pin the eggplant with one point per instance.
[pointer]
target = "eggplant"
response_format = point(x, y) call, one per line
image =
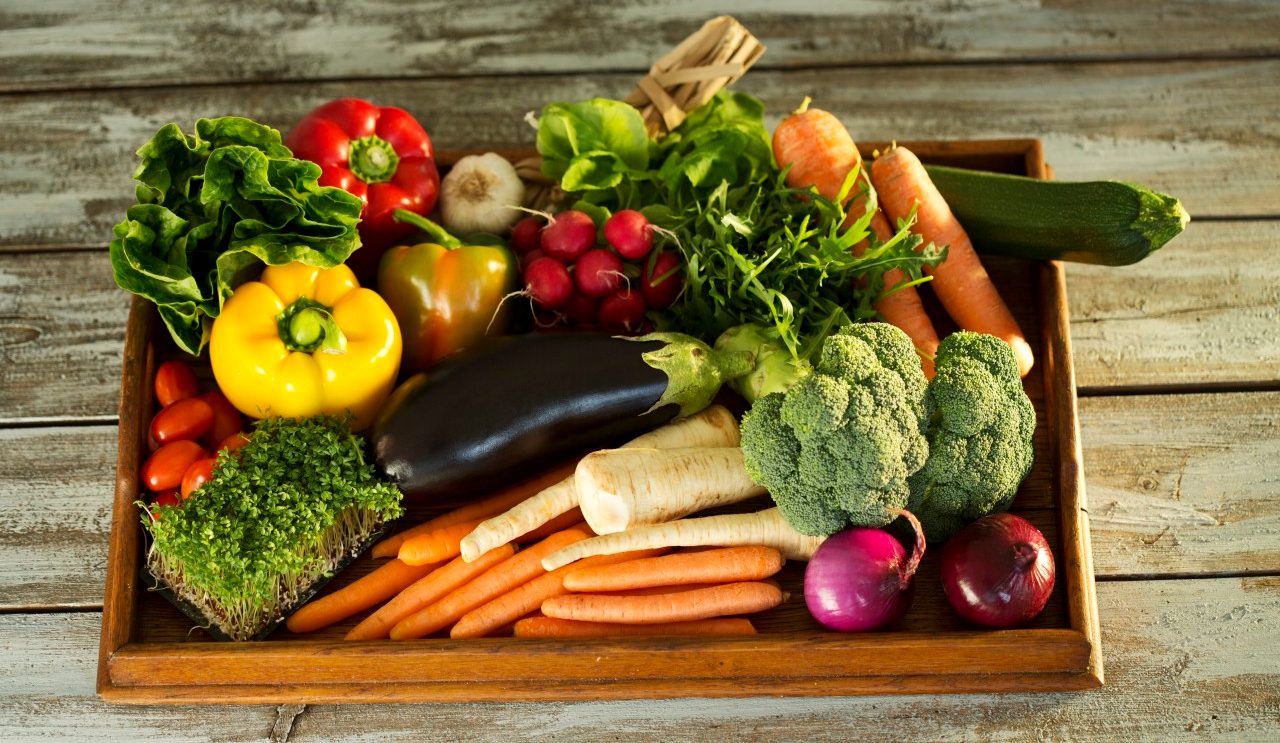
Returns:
point(520, 403)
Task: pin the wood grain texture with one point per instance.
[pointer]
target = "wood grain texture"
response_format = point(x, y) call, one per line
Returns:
point(61, 330)
point(1183, 128)
point(98, 44)
point(1186, 659)
point(1184, 484)
point(1205, 308)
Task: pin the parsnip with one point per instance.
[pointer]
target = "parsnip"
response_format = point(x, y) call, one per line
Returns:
point(714, 426)
point(765, 527)
point(622, 488)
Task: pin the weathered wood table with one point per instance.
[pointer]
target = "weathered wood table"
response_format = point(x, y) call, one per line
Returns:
point(1178, 358)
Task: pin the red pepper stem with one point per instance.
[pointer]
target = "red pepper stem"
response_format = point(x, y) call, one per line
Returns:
point(437, 233)
point(373, 159)
point(908, 568)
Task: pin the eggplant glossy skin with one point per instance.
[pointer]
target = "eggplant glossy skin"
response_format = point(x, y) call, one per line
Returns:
point(513, 405)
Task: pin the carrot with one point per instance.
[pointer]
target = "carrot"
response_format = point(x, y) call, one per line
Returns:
point(821, 153)
point(386, 581)
point(434, 546)
point(714, 426)
point(765, 527)
point(960, 281)
point(503, 577)
point(550, 627)
point(622, 488)
point(481, 509)
point(424, 592)
point(710, 566)
point(683, 606)
point(510, 606)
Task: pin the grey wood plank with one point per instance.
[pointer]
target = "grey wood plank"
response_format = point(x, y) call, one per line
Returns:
point(95, 44)
point(1204, 308)
point(1186, 659)
point(1188, 128)
point(1191, 499)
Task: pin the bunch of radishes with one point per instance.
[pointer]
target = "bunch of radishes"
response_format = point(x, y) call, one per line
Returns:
point(579, 281)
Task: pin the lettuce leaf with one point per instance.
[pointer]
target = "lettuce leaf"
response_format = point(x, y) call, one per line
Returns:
point(213, 207)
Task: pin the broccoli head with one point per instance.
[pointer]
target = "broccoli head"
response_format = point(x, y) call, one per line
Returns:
point(980, 426)
point(836, 448)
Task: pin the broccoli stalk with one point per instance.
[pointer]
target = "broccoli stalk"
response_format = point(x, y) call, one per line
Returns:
point(980, 430)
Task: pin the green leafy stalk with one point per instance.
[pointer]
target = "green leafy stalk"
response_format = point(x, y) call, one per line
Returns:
point(213, 207)
point(276, 517)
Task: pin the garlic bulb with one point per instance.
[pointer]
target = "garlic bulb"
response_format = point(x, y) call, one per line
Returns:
point(478, 194)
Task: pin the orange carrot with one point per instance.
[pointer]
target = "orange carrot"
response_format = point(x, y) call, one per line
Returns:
point(710, 566)
point(960, 281)
point(821, 154)
point(514, 604)
point(442, 544)
point(479, 510)
point(424, 592)
point(503, 577)
point(550, 627)
point(389, 579)
point(683, 606)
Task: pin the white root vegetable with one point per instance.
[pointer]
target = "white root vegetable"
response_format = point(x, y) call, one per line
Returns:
point(622, 488)
point(480, 194)
point(714, 426)
point(765, 527)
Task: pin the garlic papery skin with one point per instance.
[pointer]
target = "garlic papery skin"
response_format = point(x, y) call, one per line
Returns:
point(479, 195)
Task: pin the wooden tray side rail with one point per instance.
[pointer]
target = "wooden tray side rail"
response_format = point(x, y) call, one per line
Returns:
point(1063, 655)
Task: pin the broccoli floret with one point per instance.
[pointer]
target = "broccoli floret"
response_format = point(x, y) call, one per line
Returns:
point(980, 430)
point(837, 447)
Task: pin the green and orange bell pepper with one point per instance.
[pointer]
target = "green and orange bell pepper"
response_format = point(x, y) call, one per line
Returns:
point(445, 295)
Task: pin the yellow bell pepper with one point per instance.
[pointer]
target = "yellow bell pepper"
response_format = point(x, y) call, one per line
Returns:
point(302, 341)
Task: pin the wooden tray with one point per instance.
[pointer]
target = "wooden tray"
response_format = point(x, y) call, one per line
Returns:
point(150, 653)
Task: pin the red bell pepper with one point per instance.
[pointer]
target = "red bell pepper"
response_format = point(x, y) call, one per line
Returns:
point(383, 156)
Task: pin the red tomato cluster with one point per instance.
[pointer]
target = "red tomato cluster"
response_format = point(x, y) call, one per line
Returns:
point(187, 429)
point(578, 281)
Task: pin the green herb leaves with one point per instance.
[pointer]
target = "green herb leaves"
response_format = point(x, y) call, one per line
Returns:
point(275, 517)
point(593, 144)
point(212, 208)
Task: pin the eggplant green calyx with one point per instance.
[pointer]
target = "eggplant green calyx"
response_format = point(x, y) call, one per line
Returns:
point(695, 371)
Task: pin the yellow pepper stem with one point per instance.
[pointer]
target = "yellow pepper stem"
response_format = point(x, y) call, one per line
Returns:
point(307, 326)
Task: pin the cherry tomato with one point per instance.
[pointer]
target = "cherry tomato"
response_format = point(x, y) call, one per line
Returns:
point(234, 442)
point(165, 467)
point(226, 419)
point(167, 498)
point(174, 382)
point(185, 420)
point(200, 472)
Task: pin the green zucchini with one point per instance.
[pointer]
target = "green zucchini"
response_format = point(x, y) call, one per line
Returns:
point(1104, 222)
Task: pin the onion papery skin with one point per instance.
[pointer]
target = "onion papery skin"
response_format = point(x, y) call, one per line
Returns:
point(998, 572)
point(855, 581)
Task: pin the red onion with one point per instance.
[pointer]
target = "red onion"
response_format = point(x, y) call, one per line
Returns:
point(860, 579)
point(998, 571)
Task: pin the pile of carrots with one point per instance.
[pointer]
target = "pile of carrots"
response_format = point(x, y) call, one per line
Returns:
point(428, 588)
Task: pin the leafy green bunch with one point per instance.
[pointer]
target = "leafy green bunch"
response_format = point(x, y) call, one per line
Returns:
point(276, 517)
point(214, 206)
point(755, 250)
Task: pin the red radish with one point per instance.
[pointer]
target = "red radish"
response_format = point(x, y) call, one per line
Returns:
point(526, 235)
point(569, 234)
point(661, 280)
point(530, 257)
point(622, 312)
point(629, 233)
point(581, 310)
point(547, 281)
point(860, 578)
point(998, 571)
point(598, 273)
